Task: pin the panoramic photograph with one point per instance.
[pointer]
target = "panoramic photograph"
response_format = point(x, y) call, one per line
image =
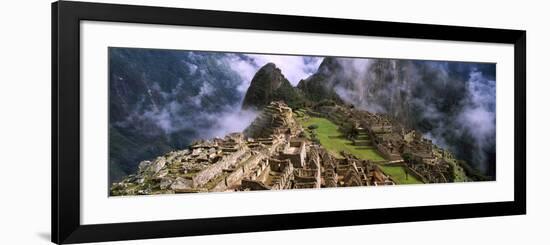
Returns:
point(183, 121)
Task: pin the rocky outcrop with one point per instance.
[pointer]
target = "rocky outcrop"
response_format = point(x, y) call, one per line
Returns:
point(320, 86)
point(275, 118)
point(427, 96)
point(190, 170)
point(269, 155)
point(269, 84)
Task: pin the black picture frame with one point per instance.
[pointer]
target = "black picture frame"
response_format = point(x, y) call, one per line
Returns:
point(66, 18)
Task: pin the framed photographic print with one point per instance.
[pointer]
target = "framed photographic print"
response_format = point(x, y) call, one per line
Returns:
point(176, 122)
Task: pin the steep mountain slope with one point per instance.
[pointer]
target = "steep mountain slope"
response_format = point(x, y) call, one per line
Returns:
point(320, 85)
point(269, 84)
point(160, 100)
point(453, 103)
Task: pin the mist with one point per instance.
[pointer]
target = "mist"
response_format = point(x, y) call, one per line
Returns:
point(294, 68)
point(229, 121)
point(451, 103)
point(161, 100)
point(233, 119)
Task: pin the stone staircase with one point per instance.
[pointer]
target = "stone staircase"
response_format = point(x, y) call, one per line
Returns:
point(362, 138)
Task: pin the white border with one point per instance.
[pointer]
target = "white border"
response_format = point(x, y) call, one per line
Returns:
point(96, 207)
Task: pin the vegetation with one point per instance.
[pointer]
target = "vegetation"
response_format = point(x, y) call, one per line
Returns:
point(313, 126)
point(122, 144)
point(407, 157)
point(399, 174)
point(290, 95)
point(315, 90)
point(474, 174)
point(146, 82)
point(268, 85)
point(349, 131)
point(458, 173)
point(325, 102)
point(300, 112)
point(332, 139)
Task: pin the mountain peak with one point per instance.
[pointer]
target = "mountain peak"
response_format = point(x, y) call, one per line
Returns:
point(270, 65)
point(329, 65)
point(320, 85)
point(269, 84)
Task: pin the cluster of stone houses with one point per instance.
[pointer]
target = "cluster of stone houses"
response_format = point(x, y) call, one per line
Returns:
point(269, 155)
point(394, 142)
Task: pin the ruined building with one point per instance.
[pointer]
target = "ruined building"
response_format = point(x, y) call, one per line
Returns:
point(268, 155)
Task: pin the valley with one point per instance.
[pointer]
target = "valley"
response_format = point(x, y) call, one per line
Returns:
point(304, 136)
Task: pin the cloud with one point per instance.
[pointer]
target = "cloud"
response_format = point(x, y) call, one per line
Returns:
point(205, 90)
point(172, 112)
point(294, 68)
point(229, 121)
point(451, 103)
point(478, 116)
point(231, 118)
point(355, 83)
point(245, 69)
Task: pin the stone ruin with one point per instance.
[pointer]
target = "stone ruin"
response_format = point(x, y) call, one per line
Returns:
point(272, 155)
point(268, 155)
point(425, 160)
point(275, 119)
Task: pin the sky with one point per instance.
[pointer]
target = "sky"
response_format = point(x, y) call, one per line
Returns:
point(294, 68)
point(420, 84)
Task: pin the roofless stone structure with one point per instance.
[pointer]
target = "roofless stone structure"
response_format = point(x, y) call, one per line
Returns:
point(268, 155)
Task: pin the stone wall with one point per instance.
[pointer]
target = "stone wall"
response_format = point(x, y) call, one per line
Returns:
point(286, 174)
point(385, 152)
point(330, 178)
point(297, 158)
point(239, 173)
point(302, 176)
point(214, 170)
point(410, 171)
point(253, 185)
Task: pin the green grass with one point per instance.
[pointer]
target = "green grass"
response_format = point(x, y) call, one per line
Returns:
point(399, 175)
point(331, 138)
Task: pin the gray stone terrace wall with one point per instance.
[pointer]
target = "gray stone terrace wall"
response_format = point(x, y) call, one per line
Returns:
point(214, 170)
